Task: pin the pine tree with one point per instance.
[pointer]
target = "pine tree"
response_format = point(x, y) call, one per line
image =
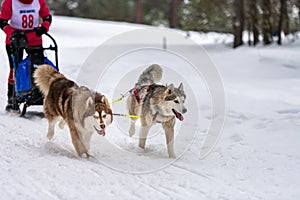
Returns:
point(238, 23)
point(173, 16)
point(254, 20)
point(266, 22)
point(281, 19)
point(138, 18)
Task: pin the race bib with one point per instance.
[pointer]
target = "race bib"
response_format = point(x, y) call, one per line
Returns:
point(25, 16)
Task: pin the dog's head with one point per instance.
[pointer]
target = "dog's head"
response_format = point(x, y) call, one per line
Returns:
point(99, 115)
point(172, 102)
point(103, 114)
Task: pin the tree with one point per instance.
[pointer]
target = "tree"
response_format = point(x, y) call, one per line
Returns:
point(281, 19)
point(297, 4)
point(208, 15)
point(254, 22)
point(138, 18)
point(156, 12)
point(266, 22)
point(173, 16)
point(118, 10)
point(238, 23)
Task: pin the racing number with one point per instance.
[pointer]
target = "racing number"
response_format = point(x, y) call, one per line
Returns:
point(27, 21)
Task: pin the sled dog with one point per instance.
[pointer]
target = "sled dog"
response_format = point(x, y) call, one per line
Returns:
point(83, 110)
point(156, 104)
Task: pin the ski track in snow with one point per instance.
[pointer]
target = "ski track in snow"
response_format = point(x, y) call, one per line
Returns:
point(257, 157)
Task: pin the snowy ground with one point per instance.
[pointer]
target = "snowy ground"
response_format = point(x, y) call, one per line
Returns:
point(257, 157)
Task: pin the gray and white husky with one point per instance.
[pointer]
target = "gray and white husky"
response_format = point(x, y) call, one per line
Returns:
point(156, 104)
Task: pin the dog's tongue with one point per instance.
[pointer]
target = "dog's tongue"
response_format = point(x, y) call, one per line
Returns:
point(100, 132)
point(178, 115)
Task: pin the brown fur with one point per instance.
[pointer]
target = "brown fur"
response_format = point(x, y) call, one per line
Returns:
point(64, 99)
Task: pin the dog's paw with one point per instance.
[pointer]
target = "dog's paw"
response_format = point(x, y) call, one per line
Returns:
point(173, 156)
point(142, 143)
point(131, 131)
point(88, 155)
point(62, 124)
point(50, 135)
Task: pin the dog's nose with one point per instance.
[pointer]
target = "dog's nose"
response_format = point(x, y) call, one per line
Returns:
point(184, 110)
point(102, 126)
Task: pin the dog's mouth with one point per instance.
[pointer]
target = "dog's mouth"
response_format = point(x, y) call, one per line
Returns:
point(177, 115)
point(100, 132)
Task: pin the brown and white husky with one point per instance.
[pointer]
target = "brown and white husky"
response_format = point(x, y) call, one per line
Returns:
point(83, 110)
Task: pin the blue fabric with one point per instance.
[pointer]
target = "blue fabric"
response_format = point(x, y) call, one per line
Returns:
point(23, 76)
point(22, 82)
point(48, 62)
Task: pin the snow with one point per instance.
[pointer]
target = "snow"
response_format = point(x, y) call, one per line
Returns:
point(257, 157)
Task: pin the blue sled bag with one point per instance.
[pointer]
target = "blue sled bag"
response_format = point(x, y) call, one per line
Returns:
point(23, 77)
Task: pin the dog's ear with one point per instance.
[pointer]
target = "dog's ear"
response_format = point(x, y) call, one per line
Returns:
point(89, 102)
point(180, 87)
point(169, 89)
point(104, 100)
point(83, 89)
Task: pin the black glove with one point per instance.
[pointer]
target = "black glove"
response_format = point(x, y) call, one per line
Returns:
point(39, 31)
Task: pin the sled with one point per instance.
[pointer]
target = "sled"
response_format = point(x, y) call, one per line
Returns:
point(26, 92)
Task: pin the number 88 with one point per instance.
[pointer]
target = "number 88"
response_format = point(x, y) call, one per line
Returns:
point(27, 21)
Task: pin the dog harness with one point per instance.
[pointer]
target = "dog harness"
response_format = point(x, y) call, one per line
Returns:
point(136, 91)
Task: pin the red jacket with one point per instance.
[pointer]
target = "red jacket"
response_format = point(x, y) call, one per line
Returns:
point(7, 13)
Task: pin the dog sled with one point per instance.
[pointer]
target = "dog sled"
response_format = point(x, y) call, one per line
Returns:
point(26, 93)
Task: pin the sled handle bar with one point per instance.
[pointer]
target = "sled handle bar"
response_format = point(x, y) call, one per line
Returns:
point(51, 48)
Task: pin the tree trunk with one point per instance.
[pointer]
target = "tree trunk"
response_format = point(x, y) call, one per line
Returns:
point(286, 27)
point(266, 25)
point(254, 21)
point(298, 5)
point(238, 23)
point(173, 18)
point(248, 22)
point(281, 19)
point(138, 9)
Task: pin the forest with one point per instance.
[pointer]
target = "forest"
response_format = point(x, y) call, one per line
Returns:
point(264, 21)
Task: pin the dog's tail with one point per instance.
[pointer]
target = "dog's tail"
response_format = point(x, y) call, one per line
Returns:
point(152, 74)
point(44, 75)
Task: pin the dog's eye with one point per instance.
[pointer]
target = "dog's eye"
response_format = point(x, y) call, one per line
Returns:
point(176, 101)
point(96, 117)
point(104, 116)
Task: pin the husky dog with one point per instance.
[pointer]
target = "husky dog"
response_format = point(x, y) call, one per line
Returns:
point(83, 110)
point(156, 104)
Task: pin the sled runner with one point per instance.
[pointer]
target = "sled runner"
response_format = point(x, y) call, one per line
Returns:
point(26, 92)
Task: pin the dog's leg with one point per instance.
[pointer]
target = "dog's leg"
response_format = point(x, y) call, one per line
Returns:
point(77, 143)
point(144, 130)
point(169, 131)
point(133, 109)
point(62, 124)
point(51, 121)
point(87, 139)
point(87, 155)
point(132, 127)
